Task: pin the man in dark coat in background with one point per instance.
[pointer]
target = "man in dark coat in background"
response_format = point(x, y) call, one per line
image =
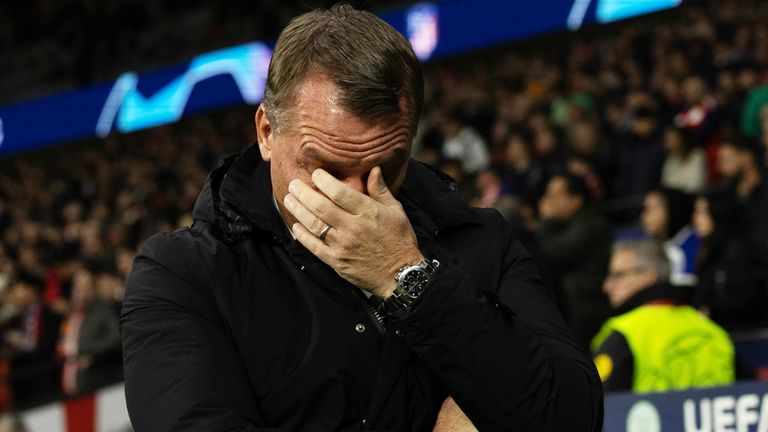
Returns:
point(329, 283)
point(576, 240)
point(30, 336)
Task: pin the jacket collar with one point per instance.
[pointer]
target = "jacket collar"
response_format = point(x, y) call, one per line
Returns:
point(659, 292)
point(237, 196)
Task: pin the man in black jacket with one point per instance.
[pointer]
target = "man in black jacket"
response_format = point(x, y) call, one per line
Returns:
point(329, 283)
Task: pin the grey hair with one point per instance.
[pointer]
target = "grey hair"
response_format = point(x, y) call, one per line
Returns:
point(648, 253)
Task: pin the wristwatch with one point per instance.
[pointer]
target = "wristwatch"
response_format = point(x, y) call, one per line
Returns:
point(411, 281)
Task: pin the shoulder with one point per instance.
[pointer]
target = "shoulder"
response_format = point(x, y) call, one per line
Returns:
point(189, 262)
point(186, 251)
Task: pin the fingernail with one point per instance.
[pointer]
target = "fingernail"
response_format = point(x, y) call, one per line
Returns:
point(292, 186)
point(315, 174)
point(288, 200)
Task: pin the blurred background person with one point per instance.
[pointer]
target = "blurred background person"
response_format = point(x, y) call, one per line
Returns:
point(640, 155)
point(685, 165)
point(521, 175)
point(31, 332)
point(90, 339)
point(745, 177)
point(731, 287)
point(464, 143)
point(656, 343)
point(576, 240)
point(666, 218)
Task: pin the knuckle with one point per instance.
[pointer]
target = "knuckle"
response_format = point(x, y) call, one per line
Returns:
point(323, 208)
point(316, 225)
point(345, 244)
point(340, 195)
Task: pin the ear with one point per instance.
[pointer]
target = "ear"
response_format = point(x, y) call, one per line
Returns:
point(264, 133)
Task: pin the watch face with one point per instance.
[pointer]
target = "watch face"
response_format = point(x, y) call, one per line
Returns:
point(414, 281)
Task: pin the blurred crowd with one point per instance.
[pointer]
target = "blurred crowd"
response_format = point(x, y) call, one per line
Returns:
point(48, 46)
point(71, 221)
point(656, 128)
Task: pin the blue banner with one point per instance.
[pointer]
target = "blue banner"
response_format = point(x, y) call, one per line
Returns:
point(237, 75)
point(739, 408)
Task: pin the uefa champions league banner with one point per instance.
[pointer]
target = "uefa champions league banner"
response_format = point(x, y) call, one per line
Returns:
point(237, 74)
point(738, 408)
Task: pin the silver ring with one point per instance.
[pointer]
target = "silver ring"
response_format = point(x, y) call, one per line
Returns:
point(324, 232)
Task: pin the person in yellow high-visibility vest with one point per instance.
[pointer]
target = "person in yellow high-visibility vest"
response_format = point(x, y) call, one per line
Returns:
point(656, 343)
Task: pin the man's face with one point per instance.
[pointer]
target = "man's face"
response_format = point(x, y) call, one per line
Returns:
point(319, 133)
point(625, 278)
point(562, 205)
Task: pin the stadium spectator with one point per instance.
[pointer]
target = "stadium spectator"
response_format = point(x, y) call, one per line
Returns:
point(569, 227)
point(666, 218)
point(640, 155)
point(90, 339)
point(656, 343)
point(753, 123)
point(521, 175)
point(685, 166)
point(587, 146)
point(548, 151)
point(699, 114)
point(740, 166)
point(741, 170)
point(731, 287)
point(30, 334)
point(462, 142)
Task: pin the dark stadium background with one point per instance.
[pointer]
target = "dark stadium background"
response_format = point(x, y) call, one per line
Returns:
point(75, 211)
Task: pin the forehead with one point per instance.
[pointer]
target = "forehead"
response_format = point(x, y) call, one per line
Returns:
point(317, 101)
point(327, 131)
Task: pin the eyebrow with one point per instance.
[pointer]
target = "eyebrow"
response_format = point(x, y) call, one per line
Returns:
point(313, 153)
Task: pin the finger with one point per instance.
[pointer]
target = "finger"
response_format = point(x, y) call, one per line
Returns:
point(377, 187)
point(304, 216)
point(316, 202)
point(345, 197)
point(313, 244)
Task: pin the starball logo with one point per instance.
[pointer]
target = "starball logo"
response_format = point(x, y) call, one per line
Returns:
point(127, 109)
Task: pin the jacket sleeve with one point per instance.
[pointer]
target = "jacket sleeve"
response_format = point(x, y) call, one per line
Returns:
point(182, 373)
point(504, 352)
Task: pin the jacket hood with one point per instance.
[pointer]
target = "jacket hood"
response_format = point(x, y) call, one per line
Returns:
point(237, 197)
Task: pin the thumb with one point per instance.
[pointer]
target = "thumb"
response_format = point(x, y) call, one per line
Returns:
point(377, 188)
